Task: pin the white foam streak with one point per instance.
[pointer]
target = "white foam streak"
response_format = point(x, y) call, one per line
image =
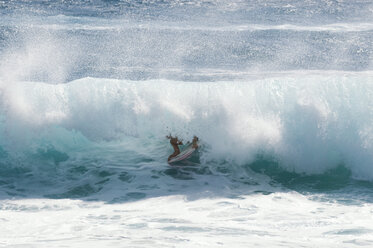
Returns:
point(62, 22)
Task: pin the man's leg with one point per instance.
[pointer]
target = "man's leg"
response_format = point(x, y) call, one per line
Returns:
point(173, 155)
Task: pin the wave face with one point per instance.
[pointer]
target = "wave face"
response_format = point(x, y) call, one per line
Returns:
point(308, 124)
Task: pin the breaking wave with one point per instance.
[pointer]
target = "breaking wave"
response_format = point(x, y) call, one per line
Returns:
point(308, 123)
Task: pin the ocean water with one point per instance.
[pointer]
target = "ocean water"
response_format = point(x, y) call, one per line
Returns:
point(280, 94)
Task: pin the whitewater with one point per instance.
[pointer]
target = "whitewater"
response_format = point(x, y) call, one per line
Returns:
point(280, 94)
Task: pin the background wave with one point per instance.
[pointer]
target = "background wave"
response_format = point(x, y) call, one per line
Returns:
point(180, 41)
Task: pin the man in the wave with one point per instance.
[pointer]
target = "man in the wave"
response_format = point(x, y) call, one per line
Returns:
point(195, 142)
point(175, 142)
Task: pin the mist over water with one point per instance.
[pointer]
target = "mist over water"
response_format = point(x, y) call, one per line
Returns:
point(192, 40)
